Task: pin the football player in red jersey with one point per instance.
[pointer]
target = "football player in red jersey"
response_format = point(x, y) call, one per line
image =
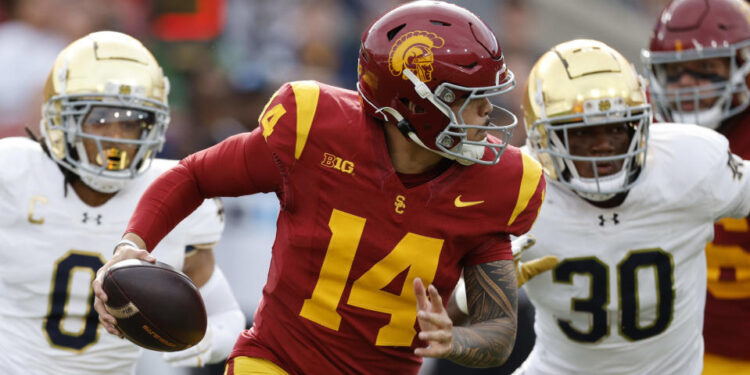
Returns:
point(698, 63)
point(387, 194)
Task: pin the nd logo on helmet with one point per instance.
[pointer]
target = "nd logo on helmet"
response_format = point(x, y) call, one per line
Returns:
point(413, 51)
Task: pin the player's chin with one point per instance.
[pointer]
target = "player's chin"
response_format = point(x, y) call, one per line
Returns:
point(604, 169)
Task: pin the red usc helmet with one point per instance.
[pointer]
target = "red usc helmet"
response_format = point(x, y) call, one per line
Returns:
point(694, 30)
point(431, 54)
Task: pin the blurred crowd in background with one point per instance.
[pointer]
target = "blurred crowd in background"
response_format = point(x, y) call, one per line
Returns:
point(224, 58)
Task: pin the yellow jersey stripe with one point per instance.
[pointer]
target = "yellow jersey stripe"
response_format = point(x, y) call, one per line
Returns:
point(306, 94)
point(532, 173)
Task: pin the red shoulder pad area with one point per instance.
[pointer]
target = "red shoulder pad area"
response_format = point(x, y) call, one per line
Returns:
point(288, 117)
point(527, 184)
point(305, 110)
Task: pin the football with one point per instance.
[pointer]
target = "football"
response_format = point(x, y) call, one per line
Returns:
point(156, 306)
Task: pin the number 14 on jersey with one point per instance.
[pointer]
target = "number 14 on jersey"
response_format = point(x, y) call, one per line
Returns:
point(419, 254)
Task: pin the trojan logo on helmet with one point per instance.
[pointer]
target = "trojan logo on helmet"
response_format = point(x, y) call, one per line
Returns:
point(413, 51)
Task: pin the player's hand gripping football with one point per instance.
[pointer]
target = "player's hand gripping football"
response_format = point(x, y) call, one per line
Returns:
point(525, 271)
point(122, 252)
point(435, 324)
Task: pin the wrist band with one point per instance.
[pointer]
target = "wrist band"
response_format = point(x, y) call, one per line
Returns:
point(125, 242)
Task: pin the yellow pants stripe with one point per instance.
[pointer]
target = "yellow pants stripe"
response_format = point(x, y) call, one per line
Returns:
point(717, 365)
point(253, 366)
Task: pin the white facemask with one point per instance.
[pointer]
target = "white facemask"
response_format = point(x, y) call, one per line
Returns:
point(584, 186)
point(102, 184)
point(710, 118)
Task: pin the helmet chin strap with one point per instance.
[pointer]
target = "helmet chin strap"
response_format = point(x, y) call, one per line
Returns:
point(475, 151)
point(424, 92)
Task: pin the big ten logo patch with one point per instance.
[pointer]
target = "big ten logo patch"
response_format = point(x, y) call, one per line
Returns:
point(335, 162)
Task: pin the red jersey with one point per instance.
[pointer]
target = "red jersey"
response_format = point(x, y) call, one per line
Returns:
point(351, 237)
point(726, 329)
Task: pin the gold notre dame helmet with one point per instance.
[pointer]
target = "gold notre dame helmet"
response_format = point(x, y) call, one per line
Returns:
point(578, 84)
point(104, 69)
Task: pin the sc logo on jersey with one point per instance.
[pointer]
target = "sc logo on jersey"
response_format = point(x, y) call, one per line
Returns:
point(335, 162)
point(399, 204)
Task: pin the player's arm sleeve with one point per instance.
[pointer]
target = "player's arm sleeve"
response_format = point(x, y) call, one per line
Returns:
point(240, 165)
point(496, 248)
point(204, 226)
point(224, 315)
point(7, 173)
point(727, 183)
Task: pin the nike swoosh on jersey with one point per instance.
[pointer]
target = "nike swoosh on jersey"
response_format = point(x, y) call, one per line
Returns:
point(459, 203)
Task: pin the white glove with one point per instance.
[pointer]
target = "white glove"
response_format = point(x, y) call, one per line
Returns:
point(197, 355)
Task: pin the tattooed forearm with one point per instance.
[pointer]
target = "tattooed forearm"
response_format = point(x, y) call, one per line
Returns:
point(491, 294)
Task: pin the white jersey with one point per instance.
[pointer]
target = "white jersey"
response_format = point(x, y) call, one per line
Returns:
point(51, 246)
point(628, 294)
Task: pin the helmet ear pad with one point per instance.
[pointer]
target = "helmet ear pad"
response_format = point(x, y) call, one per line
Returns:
point(425, 124)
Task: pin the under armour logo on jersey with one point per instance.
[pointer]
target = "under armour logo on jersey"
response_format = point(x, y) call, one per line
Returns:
point(97, 219)
point(735, 164)
point(603, 220)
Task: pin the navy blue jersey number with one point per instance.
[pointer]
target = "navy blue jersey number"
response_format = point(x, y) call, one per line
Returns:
point(596, 303)
point(61, 294)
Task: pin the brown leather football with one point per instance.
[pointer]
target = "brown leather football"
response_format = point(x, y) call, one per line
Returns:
point(156, 306)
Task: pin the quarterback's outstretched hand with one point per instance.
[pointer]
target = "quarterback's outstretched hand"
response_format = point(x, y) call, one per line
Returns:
point(525, 271)
point(123, 251)
point(435, 324)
